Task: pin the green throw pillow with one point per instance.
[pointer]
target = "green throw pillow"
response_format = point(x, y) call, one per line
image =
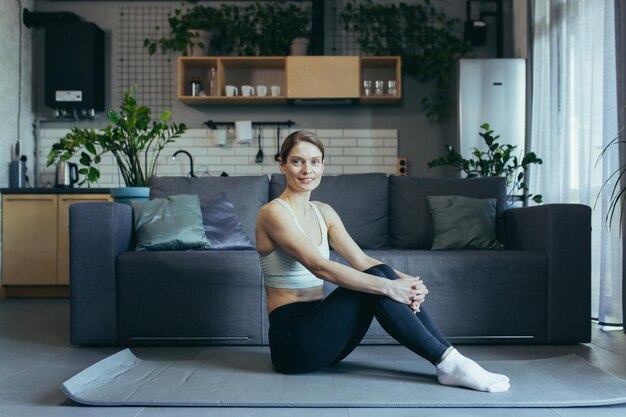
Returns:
point(463, 223)
point(171, 223)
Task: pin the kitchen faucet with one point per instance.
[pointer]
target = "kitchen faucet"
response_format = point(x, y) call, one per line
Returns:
point(191, 174)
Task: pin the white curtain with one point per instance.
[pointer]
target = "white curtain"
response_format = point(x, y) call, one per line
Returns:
point(574, 115)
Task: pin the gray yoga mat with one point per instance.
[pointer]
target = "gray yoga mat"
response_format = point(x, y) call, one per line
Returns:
point(244, 378)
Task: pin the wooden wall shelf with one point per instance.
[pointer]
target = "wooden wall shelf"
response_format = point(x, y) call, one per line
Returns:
point(297, 77)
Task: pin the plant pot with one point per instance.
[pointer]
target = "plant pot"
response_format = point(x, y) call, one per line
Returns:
point(203, 36)
point(299, 46)
point(125, 194)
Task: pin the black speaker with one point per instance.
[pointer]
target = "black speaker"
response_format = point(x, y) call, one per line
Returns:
point(74, 66)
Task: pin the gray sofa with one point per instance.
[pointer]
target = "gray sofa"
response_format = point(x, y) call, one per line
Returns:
point(535, 290)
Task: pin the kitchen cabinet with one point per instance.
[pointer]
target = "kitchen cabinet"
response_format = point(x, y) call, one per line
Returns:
point(29, 240)
point(323, 77)
point(35, 237)
point(297, 78)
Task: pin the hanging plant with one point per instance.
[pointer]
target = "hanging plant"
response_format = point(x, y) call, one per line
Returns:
point(421, 35)
point(184, 26)
point(265, 29)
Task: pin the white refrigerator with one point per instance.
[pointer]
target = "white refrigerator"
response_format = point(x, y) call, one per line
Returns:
point(492, 91)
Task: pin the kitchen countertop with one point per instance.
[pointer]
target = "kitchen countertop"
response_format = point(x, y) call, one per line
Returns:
point(51, 190)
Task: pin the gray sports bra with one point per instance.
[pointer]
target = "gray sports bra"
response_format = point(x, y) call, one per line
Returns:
point(282, 271)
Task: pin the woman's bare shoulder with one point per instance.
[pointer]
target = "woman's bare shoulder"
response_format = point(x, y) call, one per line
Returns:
point(271, 211)
point(326, 209)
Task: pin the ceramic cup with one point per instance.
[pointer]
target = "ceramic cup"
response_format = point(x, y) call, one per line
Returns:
point(275, 89)
point(247, 90)
point(231, 90)
point(261, 90)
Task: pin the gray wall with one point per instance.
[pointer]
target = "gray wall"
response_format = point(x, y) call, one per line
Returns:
point(10, 22)
point(419, 139)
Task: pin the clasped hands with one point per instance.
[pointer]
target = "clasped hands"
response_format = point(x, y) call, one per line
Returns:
point(411, 291)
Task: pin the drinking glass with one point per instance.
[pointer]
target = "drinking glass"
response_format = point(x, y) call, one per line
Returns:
point(379, 87)
point(367, 88)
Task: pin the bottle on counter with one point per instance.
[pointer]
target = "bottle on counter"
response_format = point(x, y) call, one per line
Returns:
point(196, 86)
point(213, 81)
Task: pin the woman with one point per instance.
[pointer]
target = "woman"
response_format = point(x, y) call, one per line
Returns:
point(307, 331)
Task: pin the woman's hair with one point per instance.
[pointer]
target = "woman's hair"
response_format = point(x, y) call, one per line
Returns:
point(296, 137)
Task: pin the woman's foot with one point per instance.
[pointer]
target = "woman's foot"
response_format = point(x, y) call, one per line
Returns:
point(457, 370)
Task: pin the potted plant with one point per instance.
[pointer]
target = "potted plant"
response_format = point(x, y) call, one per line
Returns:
point(191, 31)
point(134, 139)
point(497, 161)
point(422, 36)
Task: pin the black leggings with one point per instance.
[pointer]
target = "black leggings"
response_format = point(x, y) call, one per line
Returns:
point(307, 336)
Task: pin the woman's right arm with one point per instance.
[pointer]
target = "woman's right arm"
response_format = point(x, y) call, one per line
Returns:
point(276, 223)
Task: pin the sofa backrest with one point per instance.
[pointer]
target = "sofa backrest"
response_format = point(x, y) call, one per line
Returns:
point(410, 221)
point(360, 200)
point(247, 193)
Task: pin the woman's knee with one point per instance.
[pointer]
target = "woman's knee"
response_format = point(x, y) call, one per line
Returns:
point(383, 271)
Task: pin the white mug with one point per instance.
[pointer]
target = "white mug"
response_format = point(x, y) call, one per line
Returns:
point(261, 90)
point(247, 90)
point(275, 89)
point(231, 90)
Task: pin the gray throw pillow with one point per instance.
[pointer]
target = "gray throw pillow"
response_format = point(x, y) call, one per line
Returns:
point(222, 225)
point(463, 222)
point(171, 223)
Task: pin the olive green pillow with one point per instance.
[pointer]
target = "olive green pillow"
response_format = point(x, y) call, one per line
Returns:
point(463, 222)
point(171, 223)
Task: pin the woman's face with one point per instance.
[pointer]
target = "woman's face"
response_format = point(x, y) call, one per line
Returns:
point(304, 167)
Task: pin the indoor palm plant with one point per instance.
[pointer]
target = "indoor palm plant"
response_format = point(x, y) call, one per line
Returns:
point(618, 192)
point(498, 161)
point(134, 139)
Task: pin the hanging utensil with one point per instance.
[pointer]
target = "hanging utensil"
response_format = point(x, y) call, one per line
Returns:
point(277, 156)
point(259, 156)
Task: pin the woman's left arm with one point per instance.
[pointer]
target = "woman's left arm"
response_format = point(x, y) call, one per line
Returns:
point(342, 242)
point(346, 247)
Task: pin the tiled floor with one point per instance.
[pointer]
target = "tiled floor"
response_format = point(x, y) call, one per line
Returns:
point(36, 357)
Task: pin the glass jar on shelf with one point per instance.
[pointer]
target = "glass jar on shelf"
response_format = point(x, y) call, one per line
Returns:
point(213, 81)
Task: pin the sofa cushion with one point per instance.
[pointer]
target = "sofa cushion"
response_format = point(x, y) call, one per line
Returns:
point(360, 200)
point(474, 296)
point(410, 221)
point(222, 225)
point(247, 193)
point(170, 223)
point(463, 222)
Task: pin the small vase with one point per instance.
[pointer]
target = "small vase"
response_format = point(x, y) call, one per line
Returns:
point(203, 36)
point(125, 194)
point(299, 46)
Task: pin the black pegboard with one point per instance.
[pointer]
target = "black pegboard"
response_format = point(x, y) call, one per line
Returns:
point(153, 74)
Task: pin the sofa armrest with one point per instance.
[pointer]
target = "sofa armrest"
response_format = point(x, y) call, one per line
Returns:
point(99, 232)
point(562, 232)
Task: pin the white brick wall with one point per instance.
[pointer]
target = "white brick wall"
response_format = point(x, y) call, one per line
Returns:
point(348, 151)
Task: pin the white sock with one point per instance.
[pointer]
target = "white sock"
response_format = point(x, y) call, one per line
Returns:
point(457, 370)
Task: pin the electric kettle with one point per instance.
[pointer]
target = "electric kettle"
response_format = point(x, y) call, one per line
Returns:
point(67, 175)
